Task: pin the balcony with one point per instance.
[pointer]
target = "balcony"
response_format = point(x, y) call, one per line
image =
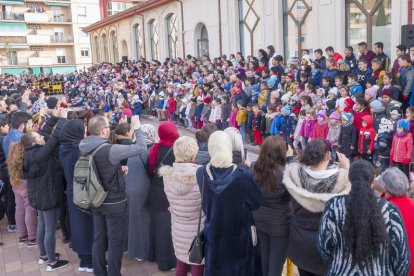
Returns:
point(38, 39)
point(39, 61)
point(36, 17)
point(11, 16)
point(60, 18)
point(61, 39)
point(12, 39)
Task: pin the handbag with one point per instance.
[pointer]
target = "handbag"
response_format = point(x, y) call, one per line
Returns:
point(196, 252)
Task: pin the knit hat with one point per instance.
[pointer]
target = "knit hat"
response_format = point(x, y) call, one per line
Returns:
point(291, 76)
point(220, 149)
point(386, 92)
point(239, 85)
point(335, 116)
point(285, 98)
point(161, 94)
point(333, 91)
point(348, 117)
point(404, 124)
point(207, 100)
point(271, 82)
point(286, 110)
point(349, 102)
point(51, 102)
point(376, 105)
point(294, 98)
point(321, 113)
point(372, 91)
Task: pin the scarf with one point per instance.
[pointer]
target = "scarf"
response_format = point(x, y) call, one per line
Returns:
point(168, 134)
point(320, 181)
point(400, 135)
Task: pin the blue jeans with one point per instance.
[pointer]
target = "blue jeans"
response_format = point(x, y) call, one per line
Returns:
point(243, 131)
point(46, 229)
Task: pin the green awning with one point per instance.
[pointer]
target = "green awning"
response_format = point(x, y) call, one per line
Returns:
point(14, 71)
point(36, 70)
point(47, 70)
point(11, 2)
point(57, 4)
point(63, 69)
point(13, 26)
point(18, 46)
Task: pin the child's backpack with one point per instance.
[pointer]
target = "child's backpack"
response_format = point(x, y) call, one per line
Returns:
point(88, 191)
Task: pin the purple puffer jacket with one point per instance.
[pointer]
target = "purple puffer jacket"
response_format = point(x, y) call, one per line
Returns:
point(307, 127)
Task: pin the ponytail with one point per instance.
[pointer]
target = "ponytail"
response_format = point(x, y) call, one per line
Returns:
point(15, 164)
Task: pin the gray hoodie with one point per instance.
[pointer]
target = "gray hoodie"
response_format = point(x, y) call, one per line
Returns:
point(117, 153)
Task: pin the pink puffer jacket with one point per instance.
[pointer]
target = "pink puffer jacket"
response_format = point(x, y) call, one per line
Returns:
point(401, 149)
point(183, 193)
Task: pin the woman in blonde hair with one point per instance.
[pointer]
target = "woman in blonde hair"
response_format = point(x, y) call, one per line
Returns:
point(183, 194)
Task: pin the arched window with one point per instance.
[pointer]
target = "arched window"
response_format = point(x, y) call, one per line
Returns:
point(154, 39)
point(114, 46)
point(201, 35)
point(139, 47)
point(172, 36)
point(297, 26)
point(104, 43)
point(249, 18)
point(96, 49)
point(369, 21)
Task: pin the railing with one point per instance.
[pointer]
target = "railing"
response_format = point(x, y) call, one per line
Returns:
point(60, 39)
point(12, 39)
point(11, 16)
point(57, 18)
point(55, 87)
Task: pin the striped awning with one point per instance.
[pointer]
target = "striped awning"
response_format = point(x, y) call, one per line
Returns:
point(14, 71)
point(12, 2)
point(63, 69)
point(57, 4)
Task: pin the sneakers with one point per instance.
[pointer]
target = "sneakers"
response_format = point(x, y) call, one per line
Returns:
point(11, 228)
point(23, 240)
point(57, 265)
point(43, 260)
point(31, 243)
point(85, 269)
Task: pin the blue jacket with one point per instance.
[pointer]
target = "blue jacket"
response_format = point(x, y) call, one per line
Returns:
point(13, 136)
point(160, 103)
point(355, 89)
point(288, 126)
point(277, 125)
point(331, 74)
point(316, 76)
point(198, 111)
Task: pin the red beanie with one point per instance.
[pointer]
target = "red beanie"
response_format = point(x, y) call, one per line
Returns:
point(207, 100)
point(386, 92)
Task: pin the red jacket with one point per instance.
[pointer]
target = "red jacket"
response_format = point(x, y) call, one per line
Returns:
point(401, 149)
point(172, 105)
point(320, 131)
point(337, 57)
point(358, 118)
point(406, 206)
point(366, 139)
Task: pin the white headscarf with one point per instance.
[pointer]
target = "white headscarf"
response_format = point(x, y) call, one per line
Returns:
point(220, 149)
point(236, 140)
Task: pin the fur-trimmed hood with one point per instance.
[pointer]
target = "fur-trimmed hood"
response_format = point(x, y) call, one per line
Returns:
point(311, 201)
point(181, 177)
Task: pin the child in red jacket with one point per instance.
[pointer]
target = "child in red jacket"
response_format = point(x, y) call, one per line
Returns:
point(366, 138)
point(360, 110)
point(320, 130)
point(172, 107)
point(402, 147)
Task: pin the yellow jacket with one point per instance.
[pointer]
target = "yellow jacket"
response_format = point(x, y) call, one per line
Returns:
point(261, 101)
point(241, 116)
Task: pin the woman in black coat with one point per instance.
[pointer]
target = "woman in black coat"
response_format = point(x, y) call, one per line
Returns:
point(45, 186)
point(161, 154)
point(81, 225)
point(273, 217)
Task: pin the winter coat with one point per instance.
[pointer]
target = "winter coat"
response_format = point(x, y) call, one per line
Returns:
point(296, 134)
point(273, 216)
point(391, 259)
point(358, 117)
point(378, 116)
point(363, 76)
point(366, 137)
point(205, 113)
point(202, 156)
point(198, 110)
point(262, 98)
point(331, 73)
point(230, 194)
point(44, 175)
point(401, 149)
point(241, 116)
point(137, 184)
point(233, 118)
point(308, 205)
point(355, 89)
point(225, 112)
point(258, 123)
point(333, 134)
point(172, 105)
point(383, 144)
point(406, 208)
point(184, 196)
point(319, 131)
point(406, 80)
point(307, 127)
point(277, 125)
point(347, 139)
point(288, 126)
point(316, 77)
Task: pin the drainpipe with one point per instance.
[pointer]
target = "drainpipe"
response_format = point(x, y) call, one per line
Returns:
point(220, 34)
point(182, 25)
point(410, 11)
point(143, 35)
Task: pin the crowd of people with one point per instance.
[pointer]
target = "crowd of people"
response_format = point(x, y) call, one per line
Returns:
point(330, 188)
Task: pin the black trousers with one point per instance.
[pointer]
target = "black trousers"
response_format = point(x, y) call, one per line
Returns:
point(9, 198)
point(109, 222)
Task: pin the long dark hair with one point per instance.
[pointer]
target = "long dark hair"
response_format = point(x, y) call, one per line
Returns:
point(268, 167)
point(364, 228)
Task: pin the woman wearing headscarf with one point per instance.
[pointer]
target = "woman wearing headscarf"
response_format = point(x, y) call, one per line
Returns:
point(396, 187)
point(239, 153)
point(311, 183)
point(81, 224)
point(360, 234)
point(137, 184)
point(229, 194)
point(161, 154)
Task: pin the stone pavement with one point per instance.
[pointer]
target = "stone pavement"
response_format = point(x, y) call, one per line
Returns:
point(18, 260)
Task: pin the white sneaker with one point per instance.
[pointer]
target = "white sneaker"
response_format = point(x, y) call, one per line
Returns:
point(85, 269)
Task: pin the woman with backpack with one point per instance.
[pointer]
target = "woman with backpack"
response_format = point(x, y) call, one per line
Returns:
point(34, 161)
point(81, 224)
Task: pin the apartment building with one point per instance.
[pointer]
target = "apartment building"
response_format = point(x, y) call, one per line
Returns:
point(45, 36)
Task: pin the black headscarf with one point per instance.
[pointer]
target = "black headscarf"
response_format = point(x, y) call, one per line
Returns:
point(72, 133)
